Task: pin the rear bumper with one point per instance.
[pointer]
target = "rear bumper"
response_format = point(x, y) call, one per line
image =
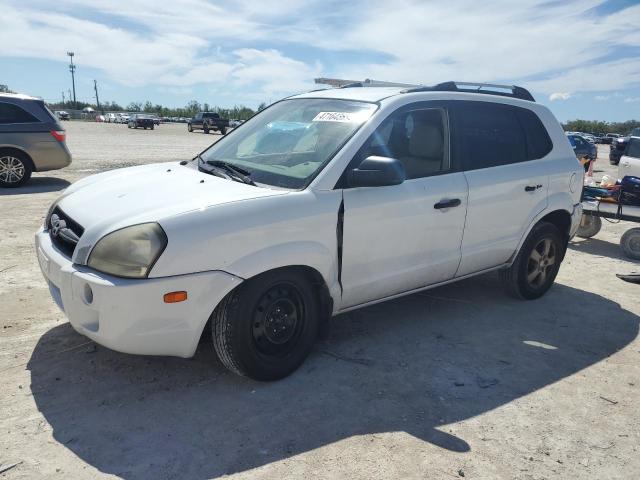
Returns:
point(130, 316)
point(50, 156)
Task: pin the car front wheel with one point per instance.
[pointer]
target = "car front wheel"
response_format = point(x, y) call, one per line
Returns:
point(189, 128)
point(536, 265)
point(266, 327)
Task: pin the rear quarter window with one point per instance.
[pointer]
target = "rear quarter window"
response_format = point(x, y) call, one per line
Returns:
point(10, 113)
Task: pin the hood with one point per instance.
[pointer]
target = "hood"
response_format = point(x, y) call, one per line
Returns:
point(108, 201)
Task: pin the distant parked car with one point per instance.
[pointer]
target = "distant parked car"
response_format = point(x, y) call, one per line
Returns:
point(155, 118)
point(582, 147)
point(635, 132)
point(616, 149)
point(140, 120)
point(111, 118)
point(608, 138)
point(207, 121)
point(62, 115)
point(31, 139)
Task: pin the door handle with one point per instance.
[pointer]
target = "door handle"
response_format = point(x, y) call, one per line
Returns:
point(454, 202)
point(532, 188)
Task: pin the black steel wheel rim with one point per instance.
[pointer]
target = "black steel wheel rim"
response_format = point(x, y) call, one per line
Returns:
point(278, 320)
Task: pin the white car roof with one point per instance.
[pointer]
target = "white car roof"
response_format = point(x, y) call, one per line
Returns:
point(18, 95)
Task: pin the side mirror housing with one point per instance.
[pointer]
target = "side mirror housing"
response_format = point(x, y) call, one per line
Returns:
point(377, 171)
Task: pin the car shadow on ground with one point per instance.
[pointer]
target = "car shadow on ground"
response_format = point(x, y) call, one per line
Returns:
point(601, 248)
point(414, 364)
point(37, 185)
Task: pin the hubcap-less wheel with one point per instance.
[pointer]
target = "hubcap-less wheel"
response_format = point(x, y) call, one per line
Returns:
point(277, 320)
point(11, 169)
point(541, 262)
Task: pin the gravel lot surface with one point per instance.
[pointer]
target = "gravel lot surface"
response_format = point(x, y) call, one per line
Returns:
point(456, 381)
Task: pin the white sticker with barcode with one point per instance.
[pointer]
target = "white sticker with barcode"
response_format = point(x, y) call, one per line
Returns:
point(345, 117)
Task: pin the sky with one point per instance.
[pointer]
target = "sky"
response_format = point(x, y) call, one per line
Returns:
point(581, 58)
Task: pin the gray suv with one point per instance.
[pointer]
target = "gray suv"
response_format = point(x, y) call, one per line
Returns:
point(31, 139)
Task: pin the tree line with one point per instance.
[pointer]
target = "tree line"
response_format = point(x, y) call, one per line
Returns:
point(237, 112)
point(595, 126)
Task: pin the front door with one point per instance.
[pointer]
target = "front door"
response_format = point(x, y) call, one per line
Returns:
point(402, 237)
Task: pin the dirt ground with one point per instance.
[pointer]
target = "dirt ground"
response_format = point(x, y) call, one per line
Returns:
point(456, 381)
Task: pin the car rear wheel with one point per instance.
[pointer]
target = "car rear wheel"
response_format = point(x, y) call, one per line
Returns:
point(223, 130)
point(266, 327)
point(536, 265)
point(189, 128)
point(15, 169)
point(205, 127)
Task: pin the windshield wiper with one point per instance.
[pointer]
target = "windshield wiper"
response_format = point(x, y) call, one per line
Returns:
point(218, 172)
point(235, 172)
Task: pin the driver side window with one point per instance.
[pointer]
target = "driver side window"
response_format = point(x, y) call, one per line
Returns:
point(418, 138)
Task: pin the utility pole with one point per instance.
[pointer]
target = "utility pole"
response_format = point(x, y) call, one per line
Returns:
point(72, 69)
point(95, 87)
point(63, 99)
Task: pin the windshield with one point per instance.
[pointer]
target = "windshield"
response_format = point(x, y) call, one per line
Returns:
point(290, 142)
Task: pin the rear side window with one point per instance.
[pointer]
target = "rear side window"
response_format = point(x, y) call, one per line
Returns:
point(633, 150)
point(10, 113)
point(538, 142)
point(489, 135)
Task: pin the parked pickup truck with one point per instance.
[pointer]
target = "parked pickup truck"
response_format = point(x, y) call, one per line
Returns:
point(207, 121)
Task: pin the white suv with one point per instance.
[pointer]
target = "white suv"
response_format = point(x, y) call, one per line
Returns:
point(322, 203)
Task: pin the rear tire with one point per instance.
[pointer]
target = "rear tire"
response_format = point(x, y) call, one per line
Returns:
point(589, 226)
point(537, 263)
point(223, 130)
point(630, 243)
point(205, 127)
point(15, 169)
point(266, 327)
point(152, 127)
point(189, 128)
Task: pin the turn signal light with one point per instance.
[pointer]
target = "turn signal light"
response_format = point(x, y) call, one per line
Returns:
point(175, 297)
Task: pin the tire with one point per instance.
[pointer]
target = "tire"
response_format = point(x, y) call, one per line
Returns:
point(15, 169)
point(189, 128)
point(283, 300)
point(531, 275)
point(145, 128)
point(205, 127)
point(590, 225)
point(223, 130)
point(152, 127)
point(128, 126)
point(630, 243)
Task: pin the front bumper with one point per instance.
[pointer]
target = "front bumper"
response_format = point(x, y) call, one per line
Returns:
point(130, 316)
point(576, 216)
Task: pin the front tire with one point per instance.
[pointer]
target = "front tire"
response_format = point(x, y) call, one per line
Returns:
point(189, 128)
point(15, 169)
point(536, 265)
point(223, 130)
point(205, 128)
point(266, 327)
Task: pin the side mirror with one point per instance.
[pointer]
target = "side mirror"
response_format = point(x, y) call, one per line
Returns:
point(377, 171)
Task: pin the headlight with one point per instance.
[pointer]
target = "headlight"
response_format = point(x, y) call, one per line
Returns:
point(129, 252)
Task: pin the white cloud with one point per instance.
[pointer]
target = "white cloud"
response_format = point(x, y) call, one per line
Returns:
point(632, 99)
point(559, 96)
point(602, 98)
point(277, 47)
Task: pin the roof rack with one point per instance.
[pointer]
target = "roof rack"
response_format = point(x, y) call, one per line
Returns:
point(512, 91)
point(341, 83)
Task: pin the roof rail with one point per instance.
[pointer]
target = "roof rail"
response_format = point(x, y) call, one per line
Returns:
point(512, 91)
point(341, 83)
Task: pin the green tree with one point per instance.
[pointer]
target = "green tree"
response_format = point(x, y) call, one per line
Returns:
point(262, 106)
point(5, 89)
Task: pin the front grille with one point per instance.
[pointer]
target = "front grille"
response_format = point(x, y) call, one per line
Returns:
point(64, 231)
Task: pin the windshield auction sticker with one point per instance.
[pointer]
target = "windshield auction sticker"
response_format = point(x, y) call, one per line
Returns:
point(344, 117)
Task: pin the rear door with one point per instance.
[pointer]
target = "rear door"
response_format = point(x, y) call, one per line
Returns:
point(502, 150)
point(399, 238)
